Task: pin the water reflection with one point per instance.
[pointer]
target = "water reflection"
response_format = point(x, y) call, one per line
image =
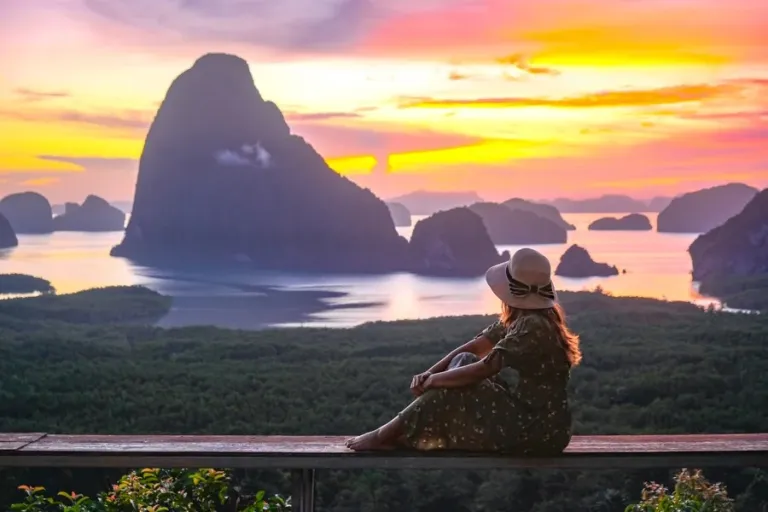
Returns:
point(657, 265)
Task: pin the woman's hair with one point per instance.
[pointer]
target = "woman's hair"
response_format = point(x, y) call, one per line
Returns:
point(556, 315)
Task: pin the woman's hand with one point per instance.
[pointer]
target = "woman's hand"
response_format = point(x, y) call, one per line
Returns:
point(418, 381)
point(428, 384)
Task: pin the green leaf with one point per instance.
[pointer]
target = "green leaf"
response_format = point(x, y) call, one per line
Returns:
point(65, 495)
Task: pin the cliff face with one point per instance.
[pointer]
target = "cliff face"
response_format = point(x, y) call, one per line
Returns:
point(453, 243)
point(700, 211)
point(631, 222)
point(28, 213)
point(542, 210)
point(400, 214)
point(738, 248)
point(7, 235)
point(518, 227)
point(221, 177)
point(95, 214)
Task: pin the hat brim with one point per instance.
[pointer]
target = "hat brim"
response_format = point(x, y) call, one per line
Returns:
point(496, 277)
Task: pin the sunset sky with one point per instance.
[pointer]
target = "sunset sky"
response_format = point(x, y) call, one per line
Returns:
point(533, 98)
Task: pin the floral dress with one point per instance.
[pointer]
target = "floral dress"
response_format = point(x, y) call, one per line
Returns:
point(533, 418)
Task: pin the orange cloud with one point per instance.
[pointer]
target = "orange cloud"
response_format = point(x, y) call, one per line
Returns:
point(319, 116)
point(32, 95)
point(40, 182)
point(353, 164)
point(485, 153)
point(14, 163)
point(628, 98)
point(123, 119)
point(581, 33)
point(626, 43)
point(519, 62)
point(455, 75)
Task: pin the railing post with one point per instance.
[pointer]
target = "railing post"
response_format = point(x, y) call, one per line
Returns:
point(303, 497)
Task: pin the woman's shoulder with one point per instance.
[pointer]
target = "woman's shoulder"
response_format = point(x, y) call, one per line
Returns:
point(524, 326)
point(495, 331)
point(530, 324)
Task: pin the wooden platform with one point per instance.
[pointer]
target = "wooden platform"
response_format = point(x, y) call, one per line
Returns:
point(285, 452)
point(303, 455)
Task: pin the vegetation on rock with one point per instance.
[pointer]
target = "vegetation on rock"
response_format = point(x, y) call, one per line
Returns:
point(576, 262)
point(739, 292)
point(7, 234)
point(508, 226)
point(27, 212)
point(631, 222)
point(116, 304)
point(23, 284)
point(542, 210)
point(736, 248)
point(454, 243)
point(703, 210)
point(95, 214)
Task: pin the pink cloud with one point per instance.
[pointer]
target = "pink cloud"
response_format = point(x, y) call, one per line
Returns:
point(132, 120)
point(333, 141)
point(618, 98)
point(665, 167)
point(34, 95)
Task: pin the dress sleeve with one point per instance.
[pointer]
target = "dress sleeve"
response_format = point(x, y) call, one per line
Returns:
point(494, 332)
point(519, 346)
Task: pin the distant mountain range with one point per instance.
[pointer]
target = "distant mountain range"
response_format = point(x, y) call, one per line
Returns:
point(610, 203)
point(124, 206)
point(426, 202)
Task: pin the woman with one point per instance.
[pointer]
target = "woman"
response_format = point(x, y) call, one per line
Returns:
point(462, 404)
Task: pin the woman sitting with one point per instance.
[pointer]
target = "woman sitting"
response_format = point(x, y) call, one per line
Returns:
point(463, 404)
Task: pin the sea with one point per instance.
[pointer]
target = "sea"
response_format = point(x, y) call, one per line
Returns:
point(657, 265)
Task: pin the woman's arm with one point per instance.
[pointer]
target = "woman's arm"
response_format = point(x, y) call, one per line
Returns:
point(480, 346)
point(464, 375)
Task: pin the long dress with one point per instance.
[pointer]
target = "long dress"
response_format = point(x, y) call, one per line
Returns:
point(533, 418)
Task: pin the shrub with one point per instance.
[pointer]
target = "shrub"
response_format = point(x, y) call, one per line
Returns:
point(692, 493)
point(157, 490)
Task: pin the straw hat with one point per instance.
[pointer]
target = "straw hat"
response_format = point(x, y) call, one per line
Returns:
point(523, 282)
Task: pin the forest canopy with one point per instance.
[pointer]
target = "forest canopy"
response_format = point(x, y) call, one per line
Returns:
point(88, 363)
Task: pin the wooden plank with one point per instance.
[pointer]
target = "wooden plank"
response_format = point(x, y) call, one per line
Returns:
point(298, 445)
point(329, 452)
point(13, 441)
point(688, 443)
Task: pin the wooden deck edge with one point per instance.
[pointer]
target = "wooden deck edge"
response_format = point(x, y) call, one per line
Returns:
point(327, 452)
point(392, 460)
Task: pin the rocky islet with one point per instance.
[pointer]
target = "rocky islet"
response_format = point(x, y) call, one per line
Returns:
point(576, 262)
point(508, 226)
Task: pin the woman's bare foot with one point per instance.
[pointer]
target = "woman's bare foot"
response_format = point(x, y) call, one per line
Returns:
point(368, 442)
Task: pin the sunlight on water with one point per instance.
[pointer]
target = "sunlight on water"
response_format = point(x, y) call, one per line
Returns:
point(657, 265)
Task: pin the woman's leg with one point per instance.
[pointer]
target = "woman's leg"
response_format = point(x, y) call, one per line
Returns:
point(387, 436)
point(462, 359)
point(383, 438)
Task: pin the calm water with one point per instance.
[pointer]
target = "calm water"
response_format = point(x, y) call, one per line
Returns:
point(657, 266)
